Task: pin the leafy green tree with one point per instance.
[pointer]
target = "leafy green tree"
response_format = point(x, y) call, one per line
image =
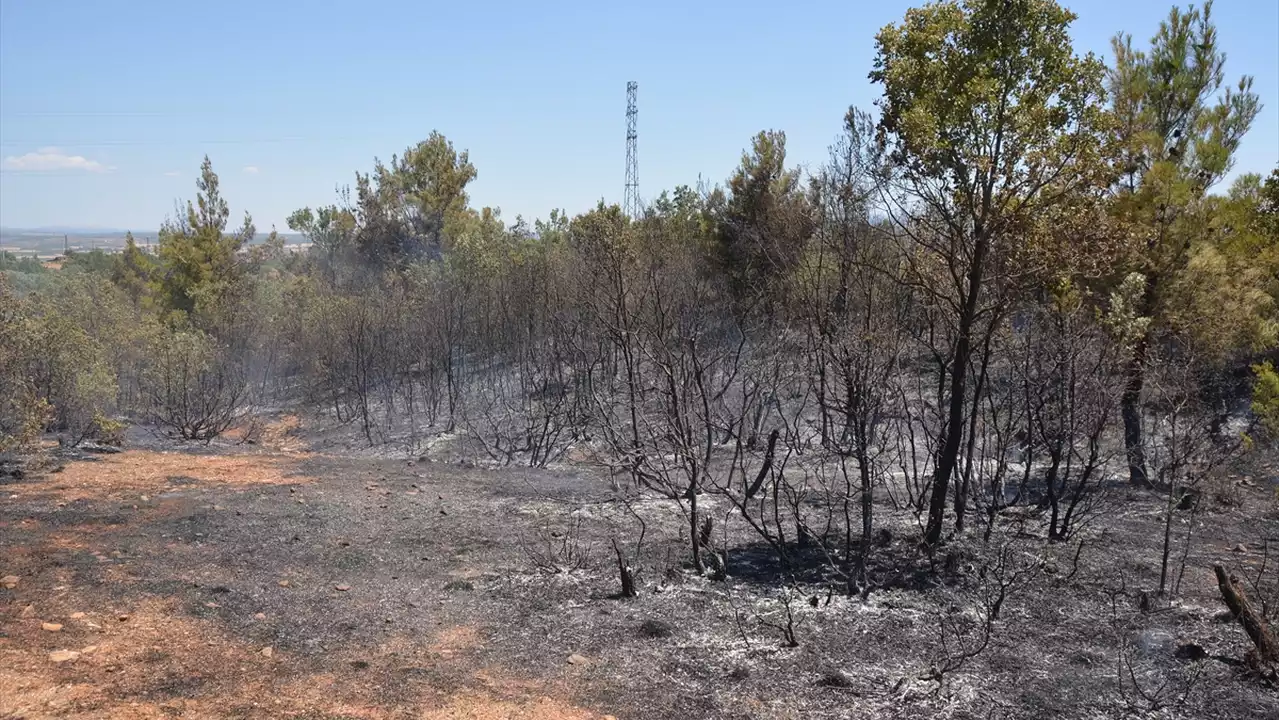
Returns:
point(331, 231)
point(134, 272)
point(199, 266)
point(765, 221)
point(23, 412)
point(989, 118)
point(414, 206)
point(1179, 129)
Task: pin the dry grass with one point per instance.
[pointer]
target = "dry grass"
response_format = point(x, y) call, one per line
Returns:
point(159, 663)
point(143, 657)
point(477, 706)
point(147, 472)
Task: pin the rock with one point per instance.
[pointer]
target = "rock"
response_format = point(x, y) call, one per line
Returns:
point(1191, 651)
point(88, 650)
point(266, 651)
point(835, 679)
point(51, 627)
point(144, 498)
point(77, 615)
point(259, 616)
point(123, 617)
point(283, 583)
point(655, 629)
point(61, 656)
point(10, 581)
point(342, 588)
point(28, 611)
point(1240, 548)
point(576, 659)
point(92, 625)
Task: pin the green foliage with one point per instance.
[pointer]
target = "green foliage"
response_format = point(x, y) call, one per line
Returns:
point(195, 387)
point(1266, 398)
point(988, 97)
point(331, 231)
point(135, 272)
point(28, 264)
point(415, 206)
point(67, 346)
point(94, 262)
point(1178, 130)
point(765, 221)
point(23, 413)
point(200, 269)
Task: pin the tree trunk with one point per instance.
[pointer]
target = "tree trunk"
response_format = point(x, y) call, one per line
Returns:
point(694, 539)
point(950, 447)
point(1131, 412)
point(1131, 400)
point(625, 575)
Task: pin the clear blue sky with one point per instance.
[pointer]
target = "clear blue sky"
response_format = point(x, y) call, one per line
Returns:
point(106, 107)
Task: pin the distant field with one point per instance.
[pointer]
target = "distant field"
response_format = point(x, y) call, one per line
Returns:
point(47, 244)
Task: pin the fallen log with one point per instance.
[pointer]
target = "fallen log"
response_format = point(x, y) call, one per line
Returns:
point(1233, 594)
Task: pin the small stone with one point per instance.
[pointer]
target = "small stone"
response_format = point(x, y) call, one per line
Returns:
point(655, 629)
point(266, 651)
point(576, 659)
point(61, 656)
point(144, 498)
point(283, 583)
point(259, 616)
point(92, 625)
point(342, 588)
point(219, 507)
point(835, 679)
point(88, 650)
point(28, 611)
point(1240, 548)
point(10, 581)
point(1191, 651)
point(52, 627)
point(77, 615)
point(122, 617)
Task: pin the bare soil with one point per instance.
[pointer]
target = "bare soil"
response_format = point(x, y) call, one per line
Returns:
point(272, 580)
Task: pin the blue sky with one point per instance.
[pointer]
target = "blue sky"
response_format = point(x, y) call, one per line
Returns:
point(106, 108)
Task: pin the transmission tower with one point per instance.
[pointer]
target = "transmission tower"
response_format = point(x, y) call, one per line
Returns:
point(631, 196)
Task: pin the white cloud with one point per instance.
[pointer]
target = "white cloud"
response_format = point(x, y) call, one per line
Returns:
point(251, 169)
point(172, 173)
point(51, 158)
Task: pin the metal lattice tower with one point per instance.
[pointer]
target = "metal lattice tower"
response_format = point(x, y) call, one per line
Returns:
point(631, 194)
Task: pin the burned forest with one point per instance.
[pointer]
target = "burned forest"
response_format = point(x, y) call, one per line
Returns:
point(974, 418)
